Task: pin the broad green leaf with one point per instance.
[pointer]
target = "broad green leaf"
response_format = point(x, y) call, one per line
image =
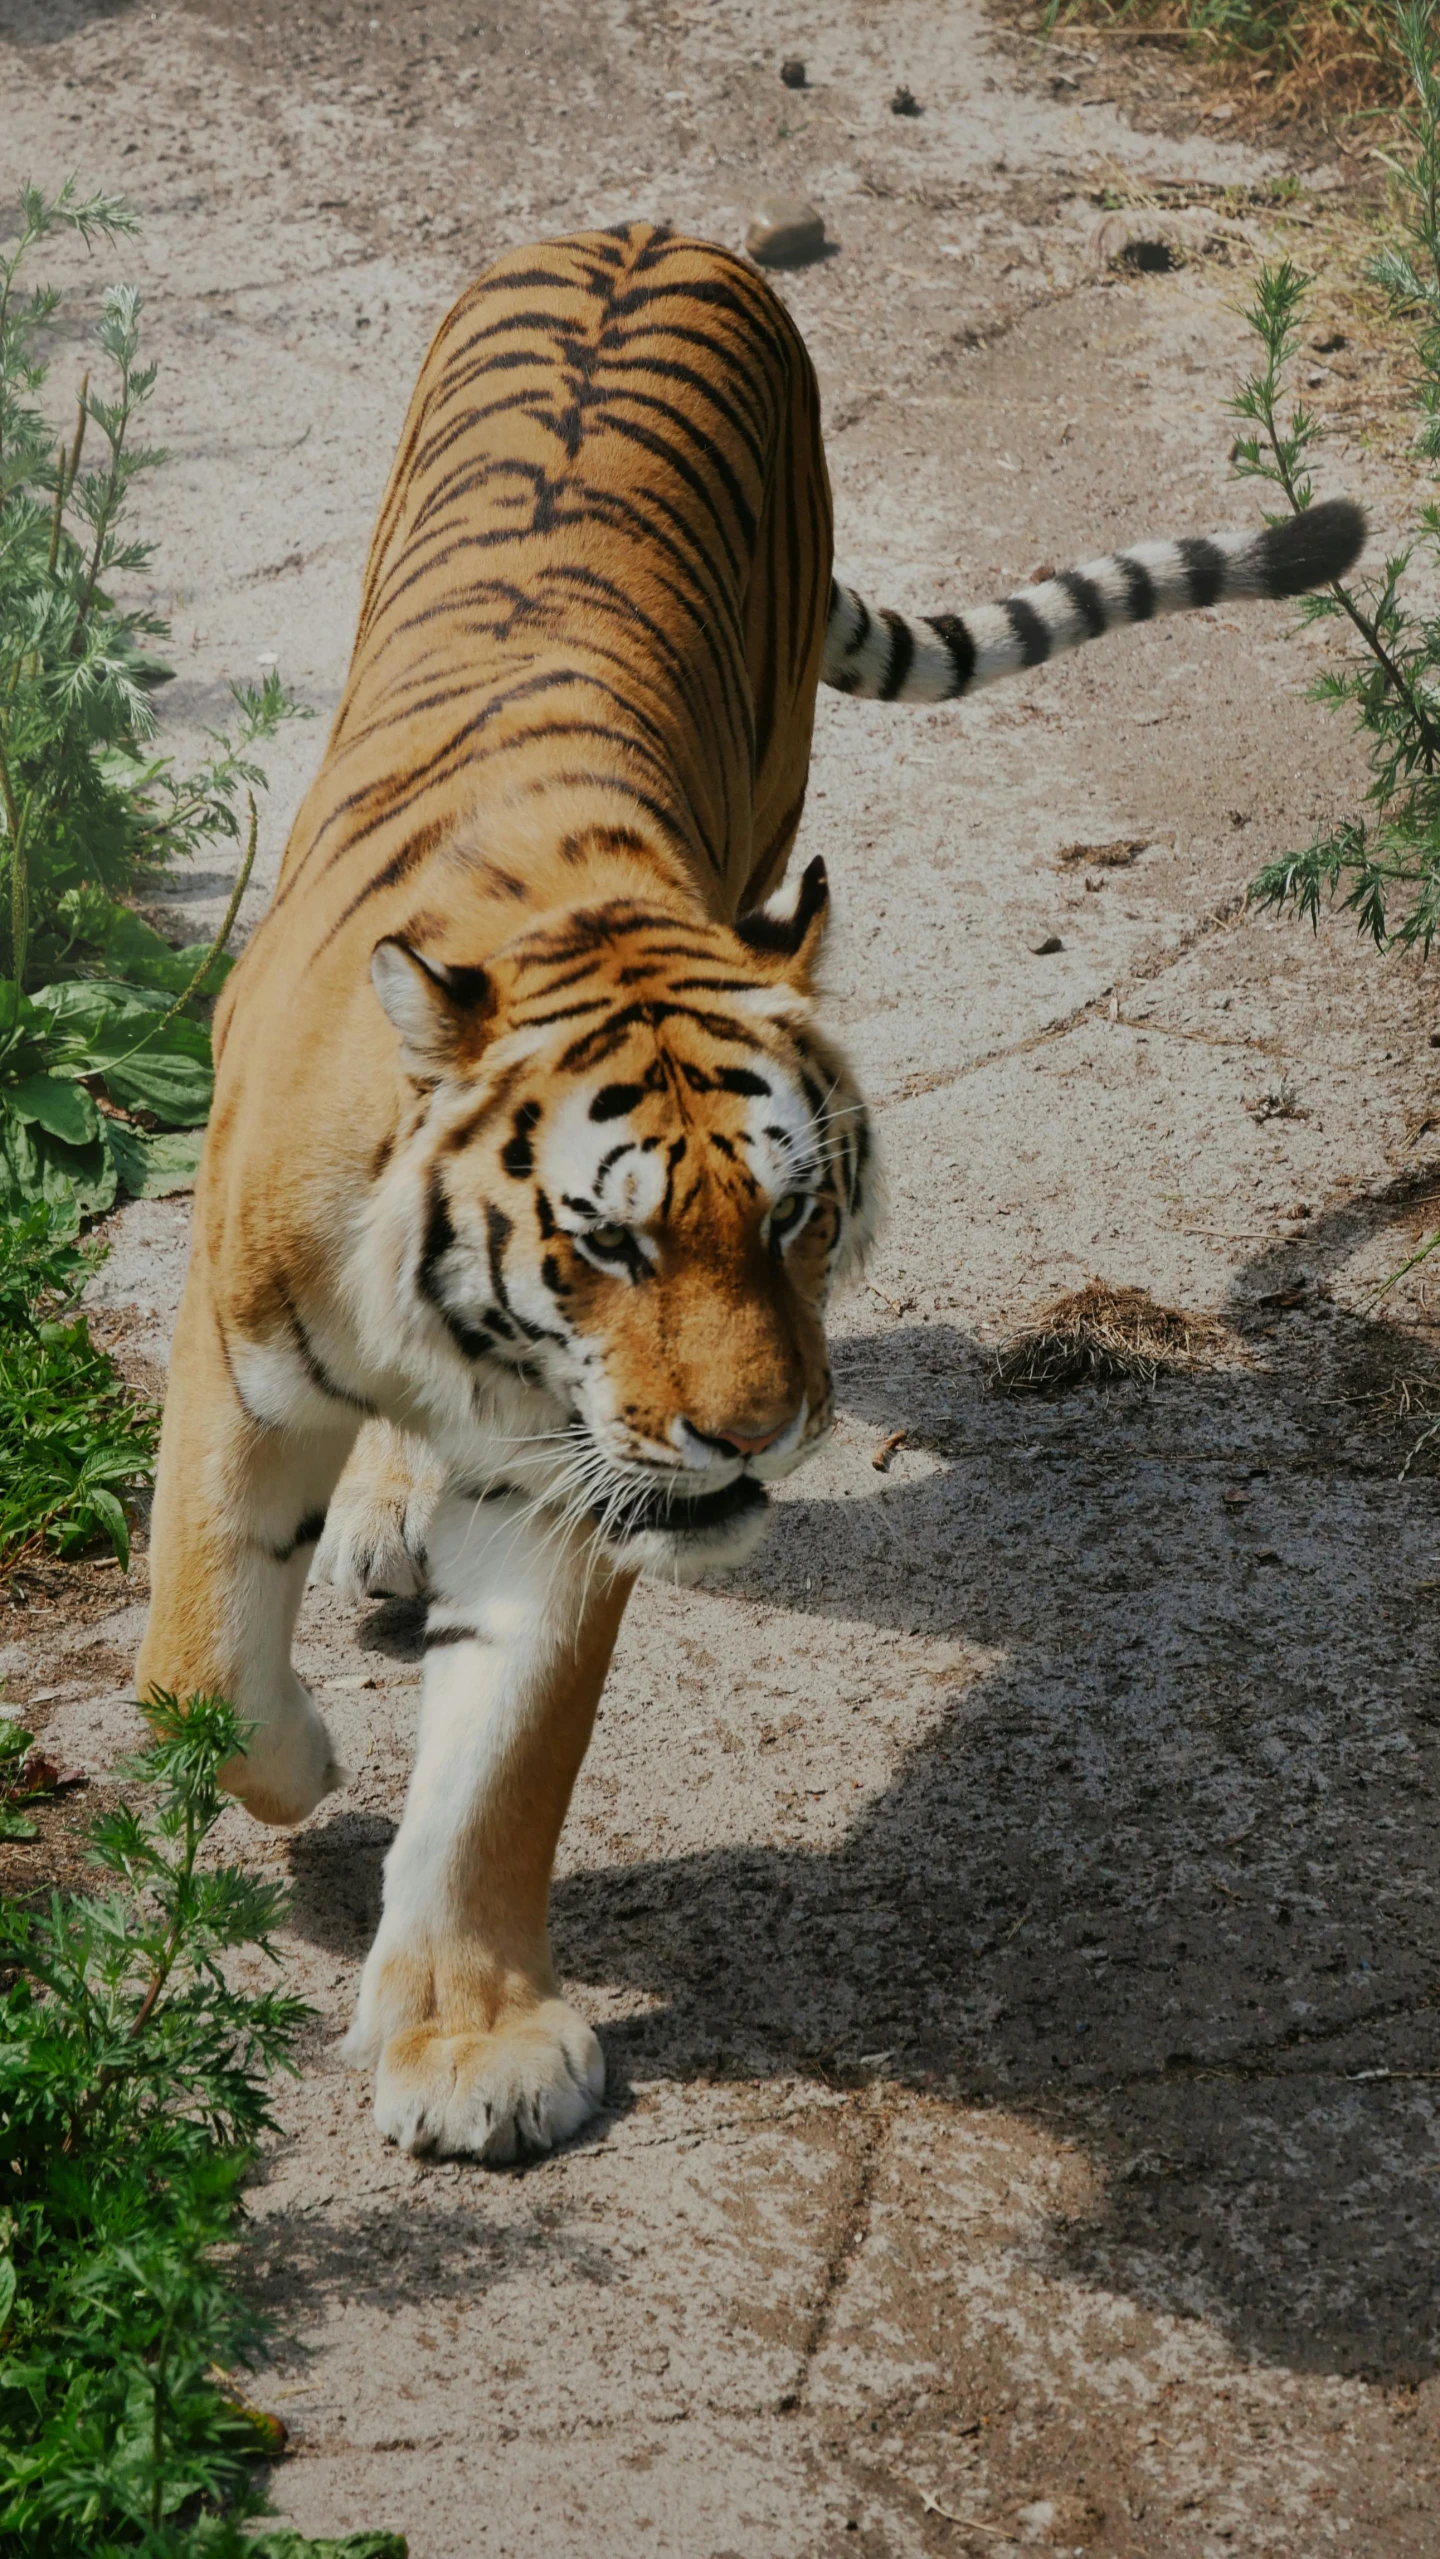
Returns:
point(7, 2289)
point(285, 2544)
point(127, 1147)
point(139, 954)
point(98, 1003)
point(66, 1110)
point(176, 1088)
point(153, 1167)
point(75, 1181)
point(15, 1825)
point(111, 1519)
point(171, 1162)
point(21, 1173)
point(81, 1176)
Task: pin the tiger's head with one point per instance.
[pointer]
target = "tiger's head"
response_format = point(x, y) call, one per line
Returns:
point(632, 1172)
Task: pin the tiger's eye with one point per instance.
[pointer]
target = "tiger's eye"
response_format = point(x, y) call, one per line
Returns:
point(784, 1209)
point(608, 1238)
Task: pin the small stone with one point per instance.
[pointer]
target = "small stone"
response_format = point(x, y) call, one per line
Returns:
point(792, 71)
point(905, 103)
point(1052, 942)
point(785, 231)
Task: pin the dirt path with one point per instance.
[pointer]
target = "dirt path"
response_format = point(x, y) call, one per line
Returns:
point(1010, 1911)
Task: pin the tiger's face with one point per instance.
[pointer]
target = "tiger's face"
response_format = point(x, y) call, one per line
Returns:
point(640, 1172)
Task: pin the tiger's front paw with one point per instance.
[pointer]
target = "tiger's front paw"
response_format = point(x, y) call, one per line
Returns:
point(373, 1545)
point(289, 1764)
point(529, 2082)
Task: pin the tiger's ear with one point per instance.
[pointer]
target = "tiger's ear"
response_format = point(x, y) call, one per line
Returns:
point(441, 1013)
point(787, 931)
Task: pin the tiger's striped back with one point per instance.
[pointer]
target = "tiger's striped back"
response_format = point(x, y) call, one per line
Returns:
point(595, 600)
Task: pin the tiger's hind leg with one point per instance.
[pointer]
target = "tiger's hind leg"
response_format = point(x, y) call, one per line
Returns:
point(473, 2049)
point(239, 1506)
point(377, 1528)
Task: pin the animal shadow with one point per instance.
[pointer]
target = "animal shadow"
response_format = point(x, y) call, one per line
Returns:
point(1158, 1876)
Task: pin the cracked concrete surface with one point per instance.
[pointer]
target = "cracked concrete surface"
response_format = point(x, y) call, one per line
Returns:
point(1008, 1908)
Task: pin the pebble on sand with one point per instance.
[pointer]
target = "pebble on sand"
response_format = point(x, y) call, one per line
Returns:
point(905, 103)
point(785, 231)
point(792, 71)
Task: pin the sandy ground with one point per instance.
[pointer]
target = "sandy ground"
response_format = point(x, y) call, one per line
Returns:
point(1010, 1909)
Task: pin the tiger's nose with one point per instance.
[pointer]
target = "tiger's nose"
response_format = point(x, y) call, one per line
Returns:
point(735, 1442)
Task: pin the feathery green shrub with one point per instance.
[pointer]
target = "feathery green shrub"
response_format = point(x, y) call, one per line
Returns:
point(1382, 864)
point(92, 813)
point(133, 2090)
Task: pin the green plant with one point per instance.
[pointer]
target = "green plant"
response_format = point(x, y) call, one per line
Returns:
point(68, 1052)
point(73, 1442)
point(26, 1777)
point(133, 2089)
point(91, 813)
point(1383, 865)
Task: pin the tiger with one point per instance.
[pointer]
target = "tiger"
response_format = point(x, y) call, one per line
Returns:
point(532, 1168)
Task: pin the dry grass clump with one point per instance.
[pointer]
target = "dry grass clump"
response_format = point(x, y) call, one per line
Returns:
point(1293, 56)
point(1098, 1336)
point(1117, 855)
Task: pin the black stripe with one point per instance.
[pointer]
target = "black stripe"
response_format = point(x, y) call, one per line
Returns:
point(582, 780)
point(1030, 629)
point(561, 1013)
point(1087, 599)
point(614, 1100)
point(1204, 569)
point(655, 445)
point(313, 1365)
point(473, 1341)
point(646, 967)
point(709, 449)
point(606, 597)
point(438, 1635)
point(498, 1231)
point(230, 1372)
point(954, 632)
point(1139, 588)
point(594, 1046)
point(568, 976)
point(901, 657)
point(416, 781)
point(517, 1154)
point(674, 1157)
point(307, 1534)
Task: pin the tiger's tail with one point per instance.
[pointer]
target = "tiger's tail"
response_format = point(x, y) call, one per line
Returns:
point(896, 657)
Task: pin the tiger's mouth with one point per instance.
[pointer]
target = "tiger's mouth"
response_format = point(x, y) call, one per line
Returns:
point(658, 1512)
